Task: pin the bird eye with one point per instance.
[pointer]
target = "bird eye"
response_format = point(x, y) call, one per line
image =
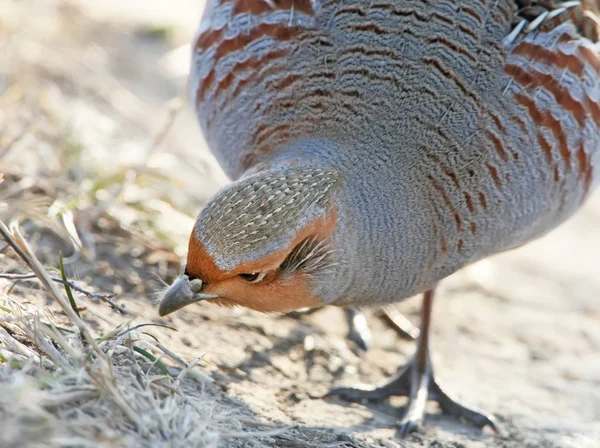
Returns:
point(195, 285)
point(254, 277)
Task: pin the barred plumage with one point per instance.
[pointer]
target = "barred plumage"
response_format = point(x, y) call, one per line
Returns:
point(495, 104)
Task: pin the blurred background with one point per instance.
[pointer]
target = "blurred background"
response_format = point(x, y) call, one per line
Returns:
point(94, 95)
point(102, 159)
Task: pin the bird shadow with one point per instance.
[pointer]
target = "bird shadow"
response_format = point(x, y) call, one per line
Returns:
point(386, 414)
point(263, 358)
point(383, 414)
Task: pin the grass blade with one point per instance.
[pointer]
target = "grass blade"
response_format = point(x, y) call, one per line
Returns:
point(157, 362)
point(66, 284)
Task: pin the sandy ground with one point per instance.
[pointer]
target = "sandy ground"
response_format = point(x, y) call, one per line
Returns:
point(517, 335)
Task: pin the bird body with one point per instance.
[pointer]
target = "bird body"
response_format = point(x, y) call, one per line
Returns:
point(378, 146)
point(455, 130)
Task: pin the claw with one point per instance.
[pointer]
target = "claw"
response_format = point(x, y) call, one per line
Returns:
point(419, 387)
point(455, 408)
point(417, 381)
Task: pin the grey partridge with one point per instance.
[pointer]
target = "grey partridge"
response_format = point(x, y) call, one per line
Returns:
point(379, 146)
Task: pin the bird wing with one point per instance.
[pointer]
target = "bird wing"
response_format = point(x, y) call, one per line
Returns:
point(243, 48)
point(252, 94)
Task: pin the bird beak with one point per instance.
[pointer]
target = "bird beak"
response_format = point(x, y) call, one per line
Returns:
point(179, 295)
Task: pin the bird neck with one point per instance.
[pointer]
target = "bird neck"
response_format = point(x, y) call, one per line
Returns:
point(378, 224)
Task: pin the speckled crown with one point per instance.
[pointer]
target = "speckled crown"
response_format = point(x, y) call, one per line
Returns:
point(255, 215)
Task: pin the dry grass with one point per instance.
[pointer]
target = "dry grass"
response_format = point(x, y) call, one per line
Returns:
point(62, 385)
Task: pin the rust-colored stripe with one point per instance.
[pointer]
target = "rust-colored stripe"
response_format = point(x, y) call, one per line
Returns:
point(381, 6)
point(256, 78)
point(546, 147)
point(263, 134)
point(248, 160)
point(495, 177)
point(452, 45)
point(483, 200)
point(204, 85)
point(497, 121)
point(226, 82)
point(208, 38)
point(471, 12)
point(447, 171)
point(405, 12)
point(535, 78)
point(442, 18)
point(505, 9)
point(252, 65)
point(285, 82)
point(594, 109)
point(538, 53)
point(470, 203)
point(521, 123)
point(447, 201)
point(295, 102)
point(443, 244)
point(408, 12)
point(351, 9)
point(448, 73)
point(498, 145)
point(277, 31)
point(257, 7)
point(545, 118)
point(585, 169)
point(468, 31)
point(591, 57)
point(371, 28)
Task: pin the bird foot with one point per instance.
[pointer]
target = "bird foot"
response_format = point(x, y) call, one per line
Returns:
point(358, 329)
point(419, 387)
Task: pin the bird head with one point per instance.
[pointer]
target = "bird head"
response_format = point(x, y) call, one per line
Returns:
point(264, 242)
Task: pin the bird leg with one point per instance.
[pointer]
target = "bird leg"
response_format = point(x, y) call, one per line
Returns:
point(358, 329)
point(417, 382)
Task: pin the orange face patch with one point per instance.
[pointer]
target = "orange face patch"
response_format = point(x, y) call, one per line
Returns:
point(279, 296)
point(276, 295)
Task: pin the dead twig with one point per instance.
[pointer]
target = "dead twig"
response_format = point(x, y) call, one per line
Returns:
point(20, 246)
point(135, 327)
point(106, 298)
